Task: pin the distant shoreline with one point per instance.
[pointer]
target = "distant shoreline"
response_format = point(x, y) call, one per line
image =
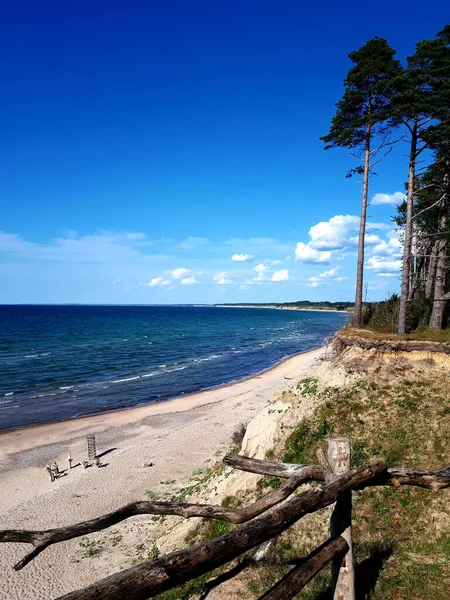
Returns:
point(333, 310)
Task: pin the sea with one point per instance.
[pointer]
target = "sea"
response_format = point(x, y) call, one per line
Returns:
point(64, 362)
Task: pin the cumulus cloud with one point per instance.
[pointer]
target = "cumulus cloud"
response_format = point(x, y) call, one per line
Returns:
point(388, 199)
point(158, 281)
point(341, 232)
point(393, 247)
point(262, 271)
point(189, 281)
point(180, 273)
point(330, 273)
point(334, 233)
point(242, 258)
point(387, 274)
point(223, 278)
point(282, 275)
point(304, 253)
point(377, 264)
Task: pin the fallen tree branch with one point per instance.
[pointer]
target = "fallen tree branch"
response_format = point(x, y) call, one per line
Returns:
point(291, 584)
point(42, 539)
point(265, 467)
point(151, 578)
point(395, 476)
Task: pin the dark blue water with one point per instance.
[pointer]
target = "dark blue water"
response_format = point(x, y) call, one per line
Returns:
point(61, 362)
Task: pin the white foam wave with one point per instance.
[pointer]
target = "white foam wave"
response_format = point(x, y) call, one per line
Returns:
point(126, 379)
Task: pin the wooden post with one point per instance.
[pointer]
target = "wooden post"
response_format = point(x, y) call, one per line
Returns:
point(90, 446)
point(343, 572)
point(50, 472)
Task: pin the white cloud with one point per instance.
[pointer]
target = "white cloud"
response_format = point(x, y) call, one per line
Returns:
point(157, 281)
point(243, 258)
point(377, 264)
point(313, 284)
point(282, 275)
point(393, 247)
point(387, 274)
point(334, 233)
point(340, 279)
point(262, 271)
point(180, 273)
point(330, 273)
point(370, 239)
point(189, 281)
point(304, 253)
point(223, 278)
point(390, 199)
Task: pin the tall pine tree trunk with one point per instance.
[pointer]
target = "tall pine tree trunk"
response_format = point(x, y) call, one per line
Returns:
point(406, 268)
point(431, 273)
point(437, 314)
point(357, 317)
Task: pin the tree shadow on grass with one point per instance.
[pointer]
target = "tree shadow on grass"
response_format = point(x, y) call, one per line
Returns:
point(367, 572)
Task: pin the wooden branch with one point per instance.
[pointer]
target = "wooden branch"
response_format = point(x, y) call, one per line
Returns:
point(42, 539)
point(291, 584)
point(265, 467)
point(396, 476)
point(151, 578)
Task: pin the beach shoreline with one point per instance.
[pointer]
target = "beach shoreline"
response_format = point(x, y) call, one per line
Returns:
point(176, 437)
point(270, 306)
point(175, 399)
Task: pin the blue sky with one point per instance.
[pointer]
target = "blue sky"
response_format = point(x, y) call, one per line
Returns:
point(169, 152)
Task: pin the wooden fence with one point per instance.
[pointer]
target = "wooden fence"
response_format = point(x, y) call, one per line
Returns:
point(259, 523)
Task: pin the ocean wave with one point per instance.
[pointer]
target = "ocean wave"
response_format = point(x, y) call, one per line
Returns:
point(126, 379)
point(66, 387)
point(212, 357)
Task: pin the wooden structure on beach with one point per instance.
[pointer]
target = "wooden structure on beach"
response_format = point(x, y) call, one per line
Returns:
point(258, 523)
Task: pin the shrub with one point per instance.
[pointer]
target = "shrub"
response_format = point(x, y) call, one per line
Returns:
point(238, 435)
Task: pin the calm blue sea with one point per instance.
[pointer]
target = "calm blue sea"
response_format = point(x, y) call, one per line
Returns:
point(62, 362)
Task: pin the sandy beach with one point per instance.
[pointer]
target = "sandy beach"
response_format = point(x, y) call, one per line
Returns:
point(178, 436)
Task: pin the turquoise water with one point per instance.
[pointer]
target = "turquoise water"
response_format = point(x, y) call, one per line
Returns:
point(62, 362)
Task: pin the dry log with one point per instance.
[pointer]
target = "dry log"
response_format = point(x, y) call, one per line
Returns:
point(42, 539)
point(151, 578)
point(295, 580)
point(395, 476)
point(265, 467)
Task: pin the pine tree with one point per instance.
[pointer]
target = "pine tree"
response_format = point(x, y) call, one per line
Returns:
point(421, 103)
point(362, 117)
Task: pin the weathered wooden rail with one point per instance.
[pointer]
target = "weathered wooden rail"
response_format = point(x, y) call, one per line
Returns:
point(257, 524)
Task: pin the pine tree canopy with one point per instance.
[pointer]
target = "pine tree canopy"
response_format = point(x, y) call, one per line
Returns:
point(368, 91)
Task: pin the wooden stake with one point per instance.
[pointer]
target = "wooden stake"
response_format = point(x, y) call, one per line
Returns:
point(50, 472)
point(343, 572)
